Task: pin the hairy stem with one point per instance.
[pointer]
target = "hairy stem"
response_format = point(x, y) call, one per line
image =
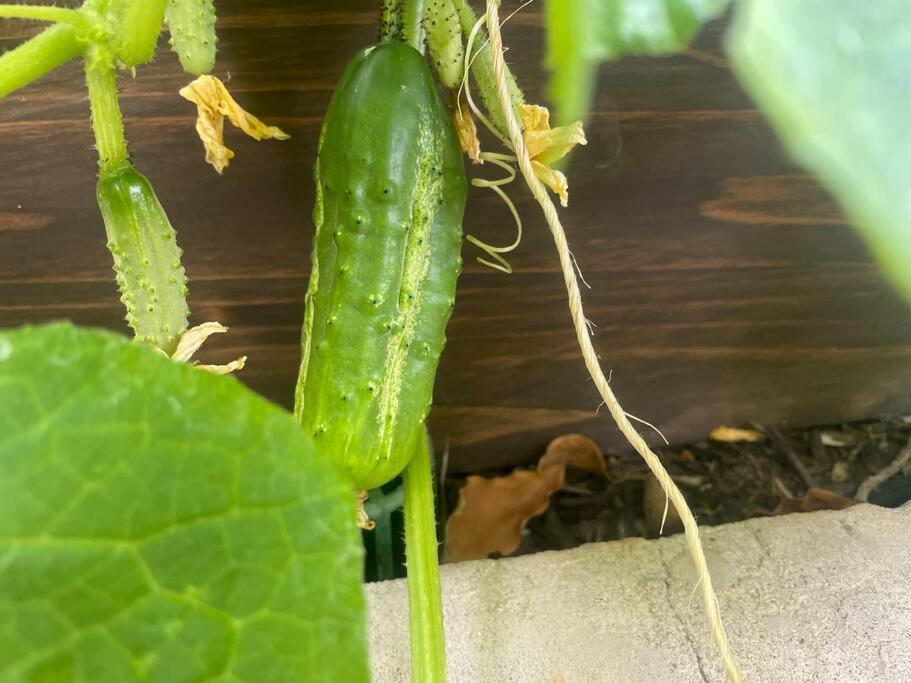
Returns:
point(60, 15)
point(107, 120)
point(425, 606)
point(412, 23)
point(36, 57)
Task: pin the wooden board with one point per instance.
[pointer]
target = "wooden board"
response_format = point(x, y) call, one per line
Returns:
point(726, 286)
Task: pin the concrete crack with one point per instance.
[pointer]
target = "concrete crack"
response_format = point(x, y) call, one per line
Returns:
point(766, 551)
point(848, 527)
point(679, 617)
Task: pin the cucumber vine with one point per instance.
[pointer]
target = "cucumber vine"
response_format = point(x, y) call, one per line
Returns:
point(108, 33)
point(385, 257)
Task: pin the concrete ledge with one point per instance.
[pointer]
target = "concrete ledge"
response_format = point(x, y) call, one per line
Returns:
point(806, 597)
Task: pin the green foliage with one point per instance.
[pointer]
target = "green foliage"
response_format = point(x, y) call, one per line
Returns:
point(833, 77)
point(158, 523)
point(583, 33)
point(37, 56)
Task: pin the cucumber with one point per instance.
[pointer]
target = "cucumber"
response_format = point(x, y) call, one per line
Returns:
point(138, 24)
point(192, 27)
point(444, 41)
point(151, 279)
point(390, 195)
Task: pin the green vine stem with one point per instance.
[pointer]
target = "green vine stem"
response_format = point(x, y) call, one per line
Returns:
point(37, 56)
point(61, 15)
point(107, 120)
point(482, 67)
point(412, 24)
point(150, 276)
point(425, 606)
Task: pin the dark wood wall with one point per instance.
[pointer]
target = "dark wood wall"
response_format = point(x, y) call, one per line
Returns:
point(725, 285)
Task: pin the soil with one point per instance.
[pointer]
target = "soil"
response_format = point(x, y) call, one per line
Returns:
point(788, 470)
point(723, 482)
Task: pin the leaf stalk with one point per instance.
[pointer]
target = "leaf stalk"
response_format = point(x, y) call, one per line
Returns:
point(425, 605)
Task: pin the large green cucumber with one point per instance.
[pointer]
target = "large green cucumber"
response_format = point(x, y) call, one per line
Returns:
point(390, 195)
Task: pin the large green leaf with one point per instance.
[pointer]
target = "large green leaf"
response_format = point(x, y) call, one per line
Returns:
point(834, 77)
point(158, 523)
point(583, 33)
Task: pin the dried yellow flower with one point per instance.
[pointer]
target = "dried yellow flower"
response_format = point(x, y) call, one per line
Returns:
point(467, 132)
point(546, 145)
point(214, 103)
point(193, 338)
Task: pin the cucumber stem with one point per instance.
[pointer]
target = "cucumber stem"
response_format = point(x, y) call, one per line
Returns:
point(425, 605)
point(482, 68)
point(412, 24)
point(62, 15)
point(37, 56)
point(107, 120)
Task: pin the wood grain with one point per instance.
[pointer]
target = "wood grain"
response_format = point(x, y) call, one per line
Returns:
point(726, 285)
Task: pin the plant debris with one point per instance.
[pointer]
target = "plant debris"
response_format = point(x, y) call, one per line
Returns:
point(813, 501)
point(724, 480)
point(492, 512)
point(735, 435)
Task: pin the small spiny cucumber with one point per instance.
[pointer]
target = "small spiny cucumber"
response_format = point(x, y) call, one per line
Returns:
point(390, 195)
point(193, 39)
point(444, 41)
point(151, 279)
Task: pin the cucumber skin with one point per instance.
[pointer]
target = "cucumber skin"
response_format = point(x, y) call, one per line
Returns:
point(444, 41)
point(151, 279)
point(135, 42)
point(192, 27)
point(390, 198)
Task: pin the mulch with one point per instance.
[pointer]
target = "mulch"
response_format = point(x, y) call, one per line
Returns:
point(788, 470)
point(724, 482)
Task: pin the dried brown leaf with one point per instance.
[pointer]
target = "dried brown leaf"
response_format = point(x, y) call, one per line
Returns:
point(492, 513)
point(815, 499)
point(575, 450)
